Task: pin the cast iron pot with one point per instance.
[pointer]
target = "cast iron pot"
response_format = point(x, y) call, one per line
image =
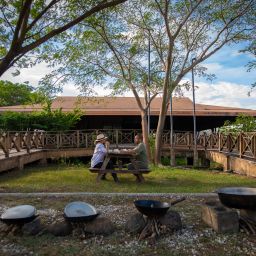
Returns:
point(238, 197)
point(152, 208)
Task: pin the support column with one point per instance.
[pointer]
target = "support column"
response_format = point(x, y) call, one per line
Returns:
point(172, 157)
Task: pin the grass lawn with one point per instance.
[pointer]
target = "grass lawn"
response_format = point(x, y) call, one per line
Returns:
point(77, 178)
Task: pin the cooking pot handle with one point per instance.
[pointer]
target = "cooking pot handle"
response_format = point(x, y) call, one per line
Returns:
point(178, 200)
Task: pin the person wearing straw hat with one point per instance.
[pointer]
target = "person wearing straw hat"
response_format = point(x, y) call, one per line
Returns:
point(99, 154)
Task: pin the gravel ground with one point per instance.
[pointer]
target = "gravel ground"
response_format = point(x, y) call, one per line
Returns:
point(195, 238)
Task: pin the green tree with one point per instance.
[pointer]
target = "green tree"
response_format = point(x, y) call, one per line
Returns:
point(27, 24)
point(251, 49)
point(19, 94)
point(242, 123)
point(112, 48)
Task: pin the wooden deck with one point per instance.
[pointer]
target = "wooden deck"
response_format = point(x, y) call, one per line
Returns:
point(20, 148)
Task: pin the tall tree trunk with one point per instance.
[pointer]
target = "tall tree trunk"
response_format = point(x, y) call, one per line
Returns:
point(159, 131)
point(144, 126)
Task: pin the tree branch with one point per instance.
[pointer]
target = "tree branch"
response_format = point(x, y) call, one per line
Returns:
point(185, 19)
point(112, 48)
point(20, 21)
point(101, 6)
point(7, 21)
point(39, 16)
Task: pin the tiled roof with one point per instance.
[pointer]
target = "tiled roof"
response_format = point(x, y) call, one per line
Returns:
point(128, 106)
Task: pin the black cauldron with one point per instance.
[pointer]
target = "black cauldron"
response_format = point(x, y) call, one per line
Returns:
point(238, 197)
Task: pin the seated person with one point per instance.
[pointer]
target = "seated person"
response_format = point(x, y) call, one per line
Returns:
point(99, 154)
point(141, 160)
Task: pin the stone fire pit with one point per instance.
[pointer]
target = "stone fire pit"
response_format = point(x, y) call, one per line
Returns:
point(193, 238)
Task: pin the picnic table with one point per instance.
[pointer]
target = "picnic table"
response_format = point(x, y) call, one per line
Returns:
point(117, 154)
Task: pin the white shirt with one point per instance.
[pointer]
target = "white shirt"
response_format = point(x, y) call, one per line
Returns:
point(98, 154)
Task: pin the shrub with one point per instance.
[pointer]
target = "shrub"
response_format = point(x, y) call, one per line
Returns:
point(243, 123)
point(47, 120)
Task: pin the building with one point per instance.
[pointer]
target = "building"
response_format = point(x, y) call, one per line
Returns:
point(123, 112)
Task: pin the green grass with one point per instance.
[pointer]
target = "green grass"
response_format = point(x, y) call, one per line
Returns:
point(63, 178)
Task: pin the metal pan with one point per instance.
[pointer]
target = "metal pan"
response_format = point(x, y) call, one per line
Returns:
point(152, 208)
point(238, 197)
point(81, 218)
point(19, 214)
point(80, 211)
point(19, 221)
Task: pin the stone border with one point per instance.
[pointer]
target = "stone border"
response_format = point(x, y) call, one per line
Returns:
point(207, 195)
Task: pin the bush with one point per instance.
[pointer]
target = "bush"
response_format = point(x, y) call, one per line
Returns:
point(47, 120)
point(243, 123)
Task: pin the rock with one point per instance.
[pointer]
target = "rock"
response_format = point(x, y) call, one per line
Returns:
point(60, 228)
point(32, 228)
point(135, 224)
point(171, 220)
point(78, 232)
point(99, 226)
point(3, 227)
point(9, 229)
point(16, 230)
point(220, 218)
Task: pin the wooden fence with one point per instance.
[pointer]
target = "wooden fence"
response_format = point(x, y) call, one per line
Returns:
point(240, 145)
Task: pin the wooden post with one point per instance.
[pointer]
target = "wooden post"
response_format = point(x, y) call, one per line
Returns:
point(240, 145)
point(58, 140)
point(219, 136)
point(229, 143)
point(28, 141)
point(20, 163)
point(254, 145)
point(116, 138)
point(172, 156)
point(86, 140)
point(6, 143)
point(77, 139)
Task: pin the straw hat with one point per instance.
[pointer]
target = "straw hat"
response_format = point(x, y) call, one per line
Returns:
point(100, 137)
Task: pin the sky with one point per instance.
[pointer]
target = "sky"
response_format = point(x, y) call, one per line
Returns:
point(230, 88)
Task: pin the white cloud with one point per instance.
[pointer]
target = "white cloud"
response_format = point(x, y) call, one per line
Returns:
point(70, 90)
point(221, 93)
point(33, 74)
point(224, 94)
point(236, 74)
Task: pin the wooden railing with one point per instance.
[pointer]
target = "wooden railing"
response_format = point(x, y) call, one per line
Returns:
point(240, 145)
point(237, 144)
point(16, 141)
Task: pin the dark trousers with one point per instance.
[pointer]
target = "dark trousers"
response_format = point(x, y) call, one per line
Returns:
point(110, 166)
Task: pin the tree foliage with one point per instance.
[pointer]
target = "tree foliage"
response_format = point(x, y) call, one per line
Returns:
point(251, 65)
point(243, 123)
point(112, 48)
point(26, 25)
point(19, 94)
point(48, 120)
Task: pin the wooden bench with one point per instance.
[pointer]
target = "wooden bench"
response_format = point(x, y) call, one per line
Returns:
point(138, 173)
